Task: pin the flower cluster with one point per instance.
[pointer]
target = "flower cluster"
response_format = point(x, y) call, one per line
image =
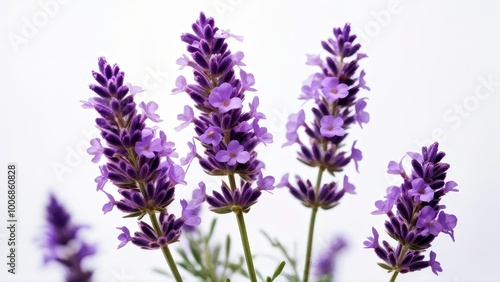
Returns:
point(336, 108)
point(419, 215)
point(228, 134)
point(63, 244)
point(139, 162)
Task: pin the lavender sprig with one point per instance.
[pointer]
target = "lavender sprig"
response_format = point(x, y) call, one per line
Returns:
point(139, 163)
point(336, 108)
point(418, 217)
point(228, 134)
point(63, 244)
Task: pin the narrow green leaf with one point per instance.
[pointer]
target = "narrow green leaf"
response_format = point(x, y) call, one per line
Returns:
point(212, 228)
point(278, 270)
point(386, 267)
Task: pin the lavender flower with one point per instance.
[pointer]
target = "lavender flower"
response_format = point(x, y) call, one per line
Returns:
point(418, 217)
point(139, 162)
point(63, 244)
point(336, 107)
point(228, 134)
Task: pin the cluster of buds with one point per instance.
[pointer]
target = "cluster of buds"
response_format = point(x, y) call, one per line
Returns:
point(139, 162)
point(418, 217)
point(228, 133)
point(334, 92)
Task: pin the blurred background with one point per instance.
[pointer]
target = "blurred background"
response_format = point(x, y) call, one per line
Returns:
point(432, 66)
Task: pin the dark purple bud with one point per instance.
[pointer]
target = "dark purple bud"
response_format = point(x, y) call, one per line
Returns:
point(99, 90)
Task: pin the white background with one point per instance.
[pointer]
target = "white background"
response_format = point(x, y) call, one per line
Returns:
point(427, 60)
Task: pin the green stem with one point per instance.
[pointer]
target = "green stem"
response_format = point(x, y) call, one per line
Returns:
point(311, 229)
point(166, 251)
point(243, 234)
point(309, 244)
point(246, 245)
point(393, 278)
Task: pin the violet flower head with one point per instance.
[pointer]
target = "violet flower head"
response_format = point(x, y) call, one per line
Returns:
point(228, 131)
point(415, 215)
point(139, 159)
point(63, 244)
point(336, 107)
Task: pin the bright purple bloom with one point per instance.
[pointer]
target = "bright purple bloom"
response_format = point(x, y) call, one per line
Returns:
point(448, 222)
point(314, 60)
point(348, 187)
point(191, 154)
point(190, 216)
point(261, 133)
point(223, 34)
point(333, 90)
point(182, 62)
point(384, 207)
point(95, 150)
point(293, 124)
point(168, 148)
point(234, 153)
point(148, 147)
point(177, 174)
point(103, 178)
point(247, 81)
point(283, 182)
point(356, 155)
point(426, 221)
point(213, 135)
point(109, 205)
point(221, 98)
point(149, 110)
point(180, 85)
point(331, 126)
point(372, 242)
point(435, 265)
point(361, 116)
point(124, 237)
point(265, 183)
point(450, 187)
point(395, 168)
point(421, 192)
point(361, 81)
point(89, 104)
point(253, 109)
point(133, 89)
point(187, 117)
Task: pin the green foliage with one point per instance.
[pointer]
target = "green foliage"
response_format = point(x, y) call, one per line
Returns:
point(204, 259)
point(292, 277)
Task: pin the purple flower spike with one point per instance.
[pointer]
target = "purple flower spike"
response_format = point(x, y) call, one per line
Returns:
point(62, 242)
point(149, 111)
point(221, 98)
point(418, 217)
point(331, 126)
point(234, 153)
point(138, 163)
point(95, 150)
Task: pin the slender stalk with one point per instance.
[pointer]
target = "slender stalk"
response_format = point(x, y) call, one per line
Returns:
point(309, 244)
point(243, 235)
point(166, 251)
point(393, 278)
point(310, 236)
